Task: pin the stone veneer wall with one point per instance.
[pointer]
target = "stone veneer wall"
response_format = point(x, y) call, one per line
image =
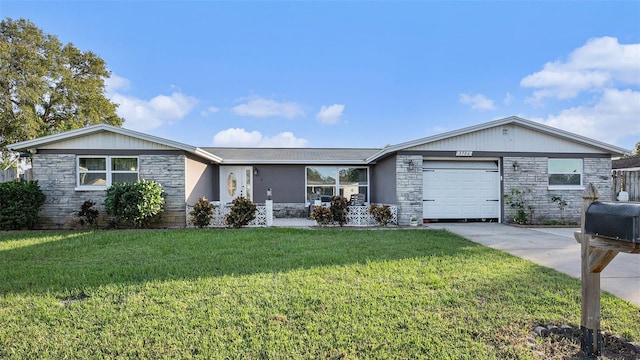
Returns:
point(56, 175)
point(290, 210)
point(409, 188)
point(533, 174)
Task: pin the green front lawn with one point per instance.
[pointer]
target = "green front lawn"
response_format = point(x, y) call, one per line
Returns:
point(278, 294)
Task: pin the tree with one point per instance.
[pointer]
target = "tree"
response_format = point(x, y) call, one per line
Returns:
point(636, 151)
point(47, 87)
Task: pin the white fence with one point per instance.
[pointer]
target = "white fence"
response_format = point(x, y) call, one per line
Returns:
point(357, 216)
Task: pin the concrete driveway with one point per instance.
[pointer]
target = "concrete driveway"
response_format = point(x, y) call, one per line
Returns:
point(555, 248)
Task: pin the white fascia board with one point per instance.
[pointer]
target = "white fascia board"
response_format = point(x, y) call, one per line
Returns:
point(614, 150)
point(93, 129)
point(292, 162)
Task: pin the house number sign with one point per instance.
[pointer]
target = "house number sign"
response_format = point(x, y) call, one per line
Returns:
point(464, 153)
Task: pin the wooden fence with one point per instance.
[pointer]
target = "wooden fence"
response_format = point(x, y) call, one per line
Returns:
point(8, 175)
point(629, 180)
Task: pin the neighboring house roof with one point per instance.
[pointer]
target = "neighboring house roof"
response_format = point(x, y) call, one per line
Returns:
point(631, 162)
point(292, 155)
point(69, 136)
point(538, 128)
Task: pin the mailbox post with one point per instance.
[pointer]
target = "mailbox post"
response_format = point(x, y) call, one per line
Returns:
point(605, 230)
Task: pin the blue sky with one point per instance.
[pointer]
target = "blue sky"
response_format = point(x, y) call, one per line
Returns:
point(356, 74)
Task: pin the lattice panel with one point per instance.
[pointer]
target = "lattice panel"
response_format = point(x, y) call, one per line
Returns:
point(220, 214)
point(359, 216)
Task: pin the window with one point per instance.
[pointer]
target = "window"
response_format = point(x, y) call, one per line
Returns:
point(99, 172)
point(328, 181)
point(565, 173)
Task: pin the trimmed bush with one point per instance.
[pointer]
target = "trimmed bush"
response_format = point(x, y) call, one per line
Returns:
point(135, 204)
point(381, 214)
point(88, 214)
point(243, 212)
point(202, 213)
point(20, 203)
point(339, 209)
point(322, 215)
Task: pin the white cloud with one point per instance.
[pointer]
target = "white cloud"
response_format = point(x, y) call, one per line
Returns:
point(508, 98)
point(115, 82)
point(143, 115)
point(209, 111)
point(260, 107)
point(238, 137)
point(613, 117)
point(600, 63)
point(477, 102)
point(146, 115)
point(330, 115)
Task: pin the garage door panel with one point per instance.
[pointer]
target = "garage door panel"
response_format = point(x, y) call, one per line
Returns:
point(465, 190)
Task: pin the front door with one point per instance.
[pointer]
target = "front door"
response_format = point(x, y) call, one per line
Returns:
point(235, 181)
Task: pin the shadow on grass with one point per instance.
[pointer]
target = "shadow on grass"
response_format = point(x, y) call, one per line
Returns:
point(71, 260)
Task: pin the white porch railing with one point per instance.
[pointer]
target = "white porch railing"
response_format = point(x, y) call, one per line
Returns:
point(220, 213)
point(357, 216)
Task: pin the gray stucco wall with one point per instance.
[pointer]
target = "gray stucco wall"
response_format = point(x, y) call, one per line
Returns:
point(200, 175)
point(533, 175)
point(383, 181)
point(287, 183)
point(56, 176)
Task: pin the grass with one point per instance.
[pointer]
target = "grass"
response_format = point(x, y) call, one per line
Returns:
point(278, 293)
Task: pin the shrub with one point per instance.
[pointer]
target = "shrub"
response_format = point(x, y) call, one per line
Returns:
point(20, 203)
point(381, 214)
point(135, 204)
point(243, 211)
point(517, 200)
point(322, 215)
point(562, 204)
point(339, 209)
point(88, 214)
point(202, 213)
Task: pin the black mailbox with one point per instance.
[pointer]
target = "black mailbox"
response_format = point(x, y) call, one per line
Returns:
point(620, 221)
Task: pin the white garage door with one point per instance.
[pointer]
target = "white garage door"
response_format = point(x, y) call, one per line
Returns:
point(461, 190)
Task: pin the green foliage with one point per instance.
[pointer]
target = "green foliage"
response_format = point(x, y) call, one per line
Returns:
point(243, 212)
point(19, 204)
point(517, 199)
point(339, 209)
point(88, 214)
point(381, 214)
point(562, 204)
point(322, 215)
point(48, 87)
point(135, 204)
point(202, 213)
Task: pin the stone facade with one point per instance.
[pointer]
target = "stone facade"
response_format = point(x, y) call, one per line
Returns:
point(532, 175)
point(409, 188)
point(290, 210)
point(56, 177)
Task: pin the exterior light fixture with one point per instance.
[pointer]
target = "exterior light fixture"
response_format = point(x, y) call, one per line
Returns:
point(269, 193)
point(411, 165)
point(516, 166)
point(255, 171)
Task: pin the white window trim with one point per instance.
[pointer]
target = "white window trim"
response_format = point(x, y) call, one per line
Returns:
point(336, 186)
point(108, 171)
point(566, 187)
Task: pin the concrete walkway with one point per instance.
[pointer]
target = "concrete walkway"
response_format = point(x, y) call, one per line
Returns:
point(555, 248)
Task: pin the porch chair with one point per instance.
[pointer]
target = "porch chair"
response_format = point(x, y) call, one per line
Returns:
point(356, 200)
